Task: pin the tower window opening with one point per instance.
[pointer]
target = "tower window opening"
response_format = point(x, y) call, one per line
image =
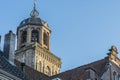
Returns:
point(24, 37)
point(34, 36)
point(46, 39)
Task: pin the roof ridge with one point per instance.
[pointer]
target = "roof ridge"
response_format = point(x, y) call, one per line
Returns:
point(94, 62)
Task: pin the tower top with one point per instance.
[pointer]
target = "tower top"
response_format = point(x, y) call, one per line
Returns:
point(34, 3)
point(34, 12)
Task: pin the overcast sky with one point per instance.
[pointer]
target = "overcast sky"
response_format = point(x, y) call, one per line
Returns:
point(82, 30)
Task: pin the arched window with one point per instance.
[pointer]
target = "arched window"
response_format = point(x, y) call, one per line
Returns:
point(46, 39)
point(24, 37)
point(34, 36)
point(48, 71)
point(52, 70)
point(40, 66)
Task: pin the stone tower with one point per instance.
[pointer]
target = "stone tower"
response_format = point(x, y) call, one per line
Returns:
point(33, 45)
point(9, 45)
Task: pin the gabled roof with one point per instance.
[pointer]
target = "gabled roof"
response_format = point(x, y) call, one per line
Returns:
point(79, 73)
point(6, 66)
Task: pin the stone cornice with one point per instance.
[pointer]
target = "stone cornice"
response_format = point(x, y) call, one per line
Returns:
point(38, 47)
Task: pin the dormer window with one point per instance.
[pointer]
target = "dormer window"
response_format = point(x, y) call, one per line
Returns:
point(57, 79)
point(91, 74)
point(34, 36)
point(88, 74)
point(115, 76)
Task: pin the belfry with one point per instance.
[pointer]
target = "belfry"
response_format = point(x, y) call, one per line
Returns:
point(33, 45)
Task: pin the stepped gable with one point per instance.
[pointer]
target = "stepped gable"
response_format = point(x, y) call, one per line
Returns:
point(80, 72)
point(6, 66)
point(31, 73)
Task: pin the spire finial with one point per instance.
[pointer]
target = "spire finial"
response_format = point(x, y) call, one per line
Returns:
point(34, 12)
point(34, 4)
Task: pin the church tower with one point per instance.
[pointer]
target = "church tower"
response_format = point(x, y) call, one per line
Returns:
point(33, 45)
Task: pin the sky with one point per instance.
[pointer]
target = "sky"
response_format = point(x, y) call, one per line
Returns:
point(82, 30)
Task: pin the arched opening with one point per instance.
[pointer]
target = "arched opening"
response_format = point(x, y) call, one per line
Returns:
point(46, 39)
point(48, 71)
point(34, 36)
point(52, 70)
point(24, 37)
point(40, 66)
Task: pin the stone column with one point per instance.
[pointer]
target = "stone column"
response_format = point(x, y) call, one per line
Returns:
point(29, 35)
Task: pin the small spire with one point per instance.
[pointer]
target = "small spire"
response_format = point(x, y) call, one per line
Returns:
point(34, 12)
point(34, 4)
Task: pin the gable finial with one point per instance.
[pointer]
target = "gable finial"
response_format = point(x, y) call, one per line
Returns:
point(113, 52)
point(34, 12)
